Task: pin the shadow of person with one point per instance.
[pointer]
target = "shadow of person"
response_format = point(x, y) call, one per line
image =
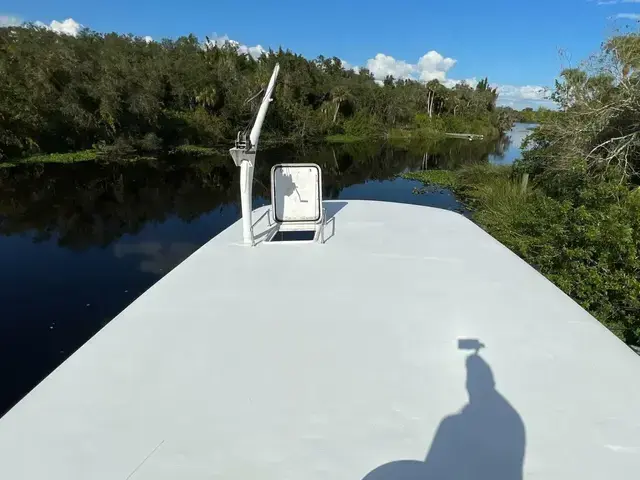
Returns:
point(484, 441)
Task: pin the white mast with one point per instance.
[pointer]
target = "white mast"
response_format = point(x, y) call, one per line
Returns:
point(244, 156)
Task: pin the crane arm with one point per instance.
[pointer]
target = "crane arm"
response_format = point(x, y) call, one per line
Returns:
point(244, 156)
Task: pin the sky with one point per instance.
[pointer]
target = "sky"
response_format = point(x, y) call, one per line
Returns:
point(515, 43)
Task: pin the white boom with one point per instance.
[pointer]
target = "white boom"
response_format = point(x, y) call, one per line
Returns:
point(244, 156)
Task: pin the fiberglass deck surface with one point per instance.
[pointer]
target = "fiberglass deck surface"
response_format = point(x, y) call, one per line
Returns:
point(308, 361)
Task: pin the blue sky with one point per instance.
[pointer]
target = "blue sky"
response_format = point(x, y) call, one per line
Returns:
point(513, 42)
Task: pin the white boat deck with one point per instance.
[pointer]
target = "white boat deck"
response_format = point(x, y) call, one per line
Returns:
point(338, 359)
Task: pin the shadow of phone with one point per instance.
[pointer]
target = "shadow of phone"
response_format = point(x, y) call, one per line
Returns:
point(470, 344)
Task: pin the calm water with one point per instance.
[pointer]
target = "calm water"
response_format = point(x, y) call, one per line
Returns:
point(513, 147)
point(78, 243)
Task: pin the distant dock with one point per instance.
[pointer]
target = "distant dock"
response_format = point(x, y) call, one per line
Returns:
point(468, 136)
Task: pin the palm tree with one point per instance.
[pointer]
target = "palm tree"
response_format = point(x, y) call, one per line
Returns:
point(207, 97)
point(338, 95)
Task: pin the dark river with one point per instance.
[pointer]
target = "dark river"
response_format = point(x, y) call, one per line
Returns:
point(79, 242)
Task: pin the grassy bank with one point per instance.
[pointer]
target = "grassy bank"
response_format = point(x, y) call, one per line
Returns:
point(587, 244)
point(126, 151)
point(71, 157)
point(193, 151)
point(345, 138)
point(418, 132)
point(395, 134)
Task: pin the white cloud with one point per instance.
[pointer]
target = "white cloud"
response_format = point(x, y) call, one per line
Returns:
point(527, 92)
point(383, 65)
point(9, 21)
point(614, 2)
point(434, 66)
point(66, 27)
point(221, 40)
point(627, 16)
point(450, 82)
point(348, 66)
point(512, 95)
point(255, 52)
point(431, 66)
point(524, 96)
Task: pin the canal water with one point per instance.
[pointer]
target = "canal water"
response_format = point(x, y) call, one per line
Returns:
point(79, 242)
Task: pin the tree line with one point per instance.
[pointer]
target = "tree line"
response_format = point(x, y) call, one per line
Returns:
point(61, 93)
point(529, 115)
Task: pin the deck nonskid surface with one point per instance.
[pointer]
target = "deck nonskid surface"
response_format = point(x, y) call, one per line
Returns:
point(328, 361)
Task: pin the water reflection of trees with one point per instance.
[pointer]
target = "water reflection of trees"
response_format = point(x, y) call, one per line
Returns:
point(84, 205)
point(91, 204)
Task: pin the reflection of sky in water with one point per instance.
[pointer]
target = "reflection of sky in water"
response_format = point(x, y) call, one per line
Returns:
point(156, 257)
point(159, 247)
point(512, 153)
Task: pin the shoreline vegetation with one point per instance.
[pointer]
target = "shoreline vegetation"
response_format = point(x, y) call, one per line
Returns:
point(577, 218)
point(101, 96)
point(117, 152)
point(414, 140)
point(396, 136)
point(196, 151)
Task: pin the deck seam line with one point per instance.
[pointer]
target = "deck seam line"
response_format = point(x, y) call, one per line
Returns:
point(144, 460)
